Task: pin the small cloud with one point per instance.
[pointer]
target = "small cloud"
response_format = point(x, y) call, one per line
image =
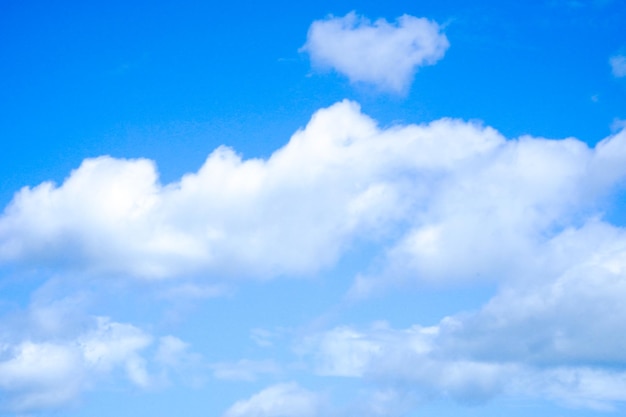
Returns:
point(595, 98)
point(618, 124)
point(281, 400)
point(380, 53)
point(618, 65)
point(262, 337)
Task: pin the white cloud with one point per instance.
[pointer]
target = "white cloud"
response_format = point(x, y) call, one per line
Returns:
point(44, 374)
point(425, 194)
point(618, 65)
point(262, 337)
point(171, 350)
point(553, 333)
point(581, 387)
point(441, 373)
point(380, 53)
point(48, 367)
point(281, 400)
point(174, 356)
point(258, 218)
point(351, 352)
point(40, 375)
point(490, 219)
point(113, 343)
point(385, 402)
point(407, 358)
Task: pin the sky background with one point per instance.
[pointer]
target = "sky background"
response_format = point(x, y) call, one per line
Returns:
point(282, 209)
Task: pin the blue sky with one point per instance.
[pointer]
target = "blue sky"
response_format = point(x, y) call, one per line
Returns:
point(313, 209)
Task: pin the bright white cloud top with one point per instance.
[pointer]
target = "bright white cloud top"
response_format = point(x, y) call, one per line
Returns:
point(384, 54)
point(426, 192)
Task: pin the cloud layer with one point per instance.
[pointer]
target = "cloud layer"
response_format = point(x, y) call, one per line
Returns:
point(553, 331)
point(444, 203)
point(384, 54)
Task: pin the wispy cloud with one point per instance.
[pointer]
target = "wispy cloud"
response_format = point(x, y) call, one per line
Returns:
point(50, 373)
point(618, 65)
point(50, 357)
point(531, 339)
point(281, 400)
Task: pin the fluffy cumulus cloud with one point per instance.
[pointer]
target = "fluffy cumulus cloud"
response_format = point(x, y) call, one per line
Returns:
point(618, 65)
point(491, 216)
point(338, 180)
point(46, 371)
point(281, 400)
point(384, 54)
point(424, 193)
